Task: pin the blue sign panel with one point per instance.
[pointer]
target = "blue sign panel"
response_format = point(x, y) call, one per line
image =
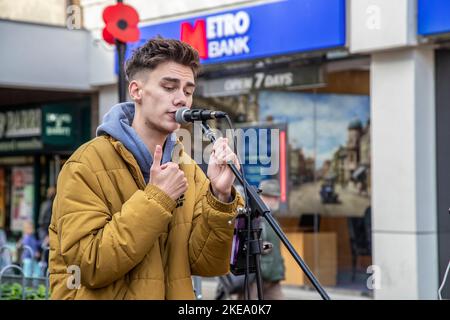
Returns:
point(282, 27)
point(258, 156)
point(263, 150)
point(434, 17)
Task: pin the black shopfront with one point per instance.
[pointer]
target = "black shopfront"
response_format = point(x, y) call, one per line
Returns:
point(35, 141)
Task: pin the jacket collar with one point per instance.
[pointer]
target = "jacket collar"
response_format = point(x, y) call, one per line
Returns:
point(135, 170)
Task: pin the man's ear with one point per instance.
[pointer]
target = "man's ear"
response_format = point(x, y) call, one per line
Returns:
point(134, 88)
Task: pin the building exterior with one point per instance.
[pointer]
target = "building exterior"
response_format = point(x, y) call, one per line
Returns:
point(382, 63)
point(45, 103)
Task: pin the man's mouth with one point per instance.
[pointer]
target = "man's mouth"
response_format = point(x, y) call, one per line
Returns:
point(172, 114)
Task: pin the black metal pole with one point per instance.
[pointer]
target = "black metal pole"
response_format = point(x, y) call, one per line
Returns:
point(121, 48)
point(259, 208)
point(259, 282)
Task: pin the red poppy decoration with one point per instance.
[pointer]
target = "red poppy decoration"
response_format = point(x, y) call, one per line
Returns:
point(121, 23)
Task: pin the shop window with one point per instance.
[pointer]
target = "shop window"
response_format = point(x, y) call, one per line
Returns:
point(329, 173)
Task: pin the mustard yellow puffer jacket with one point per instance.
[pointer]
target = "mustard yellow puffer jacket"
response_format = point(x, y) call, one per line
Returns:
point(131, 240)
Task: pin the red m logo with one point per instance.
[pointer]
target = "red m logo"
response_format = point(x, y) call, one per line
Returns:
point(196, 36)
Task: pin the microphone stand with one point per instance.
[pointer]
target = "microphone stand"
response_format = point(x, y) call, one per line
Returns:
point(258, 208)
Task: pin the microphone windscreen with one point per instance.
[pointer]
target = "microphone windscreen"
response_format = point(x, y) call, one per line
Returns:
point(179, 115)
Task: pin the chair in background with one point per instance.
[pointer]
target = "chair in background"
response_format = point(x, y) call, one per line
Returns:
point(309, 222)
point(360, 232)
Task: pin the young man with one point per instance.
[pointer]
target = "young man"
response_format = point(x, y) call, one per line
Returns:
point(128, 222)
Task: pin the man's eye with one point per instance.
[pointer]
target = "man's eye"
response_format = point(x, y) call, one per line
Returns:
point(188, 93)
point(169, 88)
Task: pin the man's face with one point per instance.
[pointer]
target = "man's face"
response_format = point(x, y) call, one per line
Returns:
point(165, 89)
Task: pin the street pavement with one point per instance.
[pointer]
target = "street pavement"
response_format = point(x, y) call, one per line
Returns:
point(209, 285)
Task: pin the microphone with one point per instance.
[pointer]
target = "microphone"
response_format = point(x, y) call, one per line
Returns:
point(185, 115)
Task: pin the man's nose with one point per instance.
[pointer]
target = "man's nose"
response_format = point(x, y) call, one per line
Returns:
point(180, 98)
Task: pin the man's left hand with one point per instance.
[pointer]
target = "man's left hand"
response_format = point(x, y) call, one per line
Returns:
point(219, 173)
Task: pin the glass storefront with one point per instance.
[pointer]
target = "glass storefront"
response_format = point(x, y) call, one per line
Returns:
point(328, 159)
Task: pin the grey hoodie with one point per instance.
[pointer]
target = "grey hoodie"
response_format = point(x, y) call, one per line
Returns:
point(117, 124)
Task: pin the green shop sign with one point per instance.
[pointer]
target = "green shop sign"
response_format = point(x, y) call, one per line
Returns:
point(51, 127)
point(58, 126)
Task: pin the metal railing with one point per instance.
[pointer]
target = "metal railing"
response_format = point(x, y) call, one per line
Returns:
point(28, 275)
point(21, 275)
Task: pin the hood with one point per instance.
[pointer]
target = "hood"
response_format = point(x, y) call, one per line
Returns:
point(117, 124)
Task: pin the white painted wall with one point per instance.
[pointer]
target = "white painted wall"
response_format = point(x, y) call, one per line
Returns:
point(108, 97)
point(404, 173)
point(381, 24)
point(101, 61)
point(38, 11)
point(39, 56)
point(403, 146)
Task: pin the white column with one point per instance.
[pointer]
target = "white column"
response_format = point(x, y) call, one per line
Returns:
point(404, 173)
point(108, 97)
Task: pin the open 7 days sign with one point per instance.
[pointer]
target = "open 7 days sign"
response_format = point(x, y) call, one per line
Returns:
point(279, 27)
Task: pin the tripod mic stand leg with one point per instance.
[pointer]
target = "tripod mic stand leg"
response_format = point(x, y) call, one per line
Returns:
point(259, 283)
point(295, 255)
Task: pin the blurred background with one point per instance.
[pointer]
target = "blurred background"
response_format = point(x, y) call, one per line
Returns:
point(357, 89)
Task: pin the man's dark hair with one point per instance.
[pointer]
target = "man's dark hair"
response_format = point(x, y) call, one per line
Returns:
point(159, 50)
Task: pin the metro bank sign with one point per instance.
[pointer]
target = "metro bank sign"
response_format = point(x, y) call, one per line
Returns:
point(433, 17)
point(275, 28)
point(218, 36)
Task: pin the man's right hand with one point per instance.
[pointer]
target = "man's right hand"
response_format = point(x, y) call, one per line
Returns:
point(168, 177)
